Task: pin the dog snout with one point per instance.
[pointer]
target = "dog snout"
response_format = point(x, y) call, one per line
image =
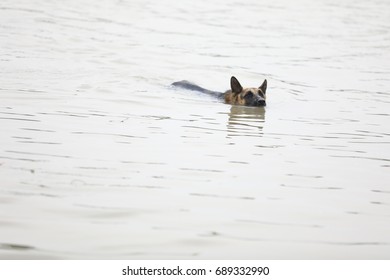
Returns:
point(260, 102)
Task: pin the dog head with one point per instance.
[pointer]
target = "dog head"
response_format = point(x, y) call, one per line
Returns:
point(248, 96)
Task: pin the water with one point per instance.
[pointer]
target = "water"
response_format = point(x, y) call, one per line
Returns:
point(100, 158)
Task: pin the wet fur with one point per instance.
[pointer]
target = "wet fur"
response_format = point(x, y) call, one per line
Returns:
point(236, 95)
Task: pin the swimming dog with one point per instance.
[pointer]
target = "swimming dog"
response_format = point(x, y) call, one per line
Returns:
point(236, 95)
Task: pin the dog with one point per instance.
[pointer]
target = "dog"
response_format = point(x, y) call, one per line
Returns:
point(236, 95)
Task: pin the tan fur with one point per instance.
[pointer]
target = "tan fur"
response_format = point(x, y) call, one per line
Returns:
point(237, 95)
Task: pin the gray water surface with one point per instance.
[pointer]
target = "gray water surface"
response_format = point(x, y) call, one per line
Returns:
point(101, 159)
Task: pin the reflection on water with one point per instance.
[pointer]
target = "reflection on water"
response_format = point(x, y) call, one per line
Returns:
point(245, 121)
point(95, 144)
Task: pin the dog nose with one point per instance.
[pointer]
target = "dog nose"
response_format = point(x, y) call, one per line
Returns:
point(261, 102)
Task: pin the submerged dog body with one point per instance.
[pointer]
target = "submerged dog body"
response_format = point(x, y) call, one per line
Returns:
point(236, 95)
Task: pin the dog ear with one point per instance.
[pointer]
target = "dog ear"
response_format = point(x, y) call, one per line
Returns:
point(263, 87)
point(235, 85)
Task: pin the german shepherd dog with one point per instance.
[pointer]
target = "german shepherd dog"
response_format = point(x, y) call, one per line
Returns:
point(236, 95)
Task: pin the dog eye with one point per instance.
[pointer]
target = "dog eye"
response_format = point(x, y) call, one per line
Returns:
point(261, 93)
point(248, 95)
